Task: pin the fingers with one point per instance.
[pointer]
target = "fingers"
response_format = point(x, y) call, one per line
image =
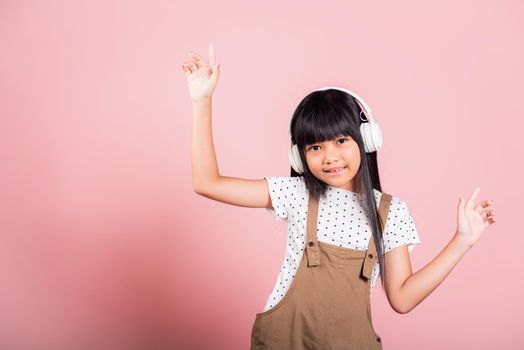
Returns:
point(472, 198)
point(489, 214)
point(489, 219)
point(211, 59)
point(197, 59)
point(196, 62)
point(484, 207)
point(483, 204)
point(186, 70)
point(189, 67)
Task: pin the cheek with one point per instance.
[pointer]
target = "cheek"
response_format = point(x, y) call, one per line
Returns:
point(357, 158)
point(311, 162)
point(355, 152)
point(354, 159)
point(314, 163)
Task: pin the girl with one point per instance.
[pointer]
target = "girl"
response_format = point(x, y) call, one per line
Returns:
point(343, 231)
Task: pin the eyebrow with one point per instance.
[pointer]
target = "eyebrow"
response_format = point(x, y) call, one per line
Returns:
point(341, 136)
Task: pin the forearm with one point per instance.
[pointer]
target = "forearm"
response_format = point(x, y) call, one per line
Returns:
point(203, 158)
point(423, 282)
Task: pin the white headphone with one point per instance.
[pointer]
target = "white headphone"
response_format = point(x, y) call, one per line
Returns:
point(370, 131)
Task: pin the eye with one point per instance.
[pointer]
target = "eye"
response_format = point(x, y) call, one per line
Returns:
point(310, 148)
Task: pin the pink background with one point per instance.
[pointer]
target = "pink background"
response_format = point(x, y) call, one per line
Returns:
point(103, 244)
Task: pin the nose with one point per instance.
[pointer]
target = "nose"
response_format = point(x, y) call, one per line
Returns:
point(331, 155)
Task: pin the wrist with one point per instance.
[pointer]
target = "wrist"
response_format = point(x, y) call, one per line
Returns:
point(460, 242)
point(201, 100)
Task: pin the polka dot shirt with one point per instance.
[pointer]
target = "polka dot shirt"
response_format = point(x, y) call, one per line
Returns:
point(341, 221)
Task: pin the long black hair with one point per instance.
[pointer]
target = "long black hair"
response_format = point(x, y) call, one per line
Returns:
point(324, 115)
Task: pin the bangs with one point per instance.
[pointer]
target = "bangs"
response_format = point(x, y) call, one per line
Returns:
point(325, 117)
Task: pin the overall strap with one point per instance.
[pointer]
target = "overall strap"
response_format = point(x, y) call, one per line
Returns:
point(312, 248)
point(371, 253)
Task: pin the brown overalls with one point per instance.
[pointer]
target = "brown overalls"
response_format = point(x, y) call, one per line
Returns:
point(327, 306)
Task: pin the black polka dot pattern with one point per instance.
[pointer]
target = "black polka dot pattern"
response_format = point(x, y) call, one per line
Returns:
point(341, 221)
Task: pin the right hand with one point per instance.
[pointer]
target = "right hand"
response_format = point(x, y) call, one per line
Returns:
point(202, 78)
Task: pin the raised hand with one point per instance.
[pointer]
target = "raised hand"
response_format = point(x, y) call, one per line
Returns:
point(473, 219)
point(202, 78)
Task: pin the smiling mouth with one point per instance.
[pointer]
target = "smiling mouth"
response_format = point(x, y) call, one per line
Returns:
point(336, 170)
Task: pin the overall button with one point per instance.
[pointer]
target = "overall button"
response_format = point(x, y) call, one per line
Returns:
point(311, 244)
point(370, 256)
point(378, 339)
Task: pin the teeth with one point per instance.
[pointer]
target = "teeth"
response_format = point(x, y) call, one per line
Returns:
point(335, 170)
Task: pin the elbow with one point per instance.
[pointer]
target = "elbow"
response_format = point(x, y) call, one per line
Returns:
point(400, 299)
point(203, 187)
point(199, 190)
point(401, 310)
point(204, 192)
point(399, 306)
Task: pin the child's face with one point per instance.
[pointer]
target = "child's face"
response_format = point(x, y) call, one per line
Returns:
point(342, 151)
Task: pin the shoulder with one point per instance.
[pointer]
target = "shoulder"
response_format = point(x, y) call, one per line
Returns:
point(286, 183)
point(396, 203)
point(285, 193)
point(400, 228)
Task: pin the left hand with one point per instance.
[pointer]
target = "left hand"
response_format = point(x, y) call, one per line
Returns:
point(473, 219)
point(202, 78)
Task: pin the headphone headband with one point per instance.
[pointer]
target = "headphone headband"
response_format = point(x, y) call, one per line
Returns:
point(363, 105)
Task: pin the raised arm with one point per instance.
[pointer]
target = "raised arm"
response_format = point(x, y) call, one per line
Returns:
point(206, 178)
point(404, 289)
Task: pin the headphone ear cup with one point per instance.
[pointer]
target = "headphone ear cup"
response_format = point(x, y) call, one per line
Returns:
point(294, 159)
point(372, 136)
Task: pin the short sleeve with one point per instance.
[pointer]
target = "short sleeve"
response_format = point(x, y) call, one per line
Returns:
point(401, 229)
point(282, 190)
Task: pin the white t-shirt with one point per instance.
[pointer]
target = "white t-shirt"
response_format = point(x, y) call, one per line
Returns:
point(341, 221)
